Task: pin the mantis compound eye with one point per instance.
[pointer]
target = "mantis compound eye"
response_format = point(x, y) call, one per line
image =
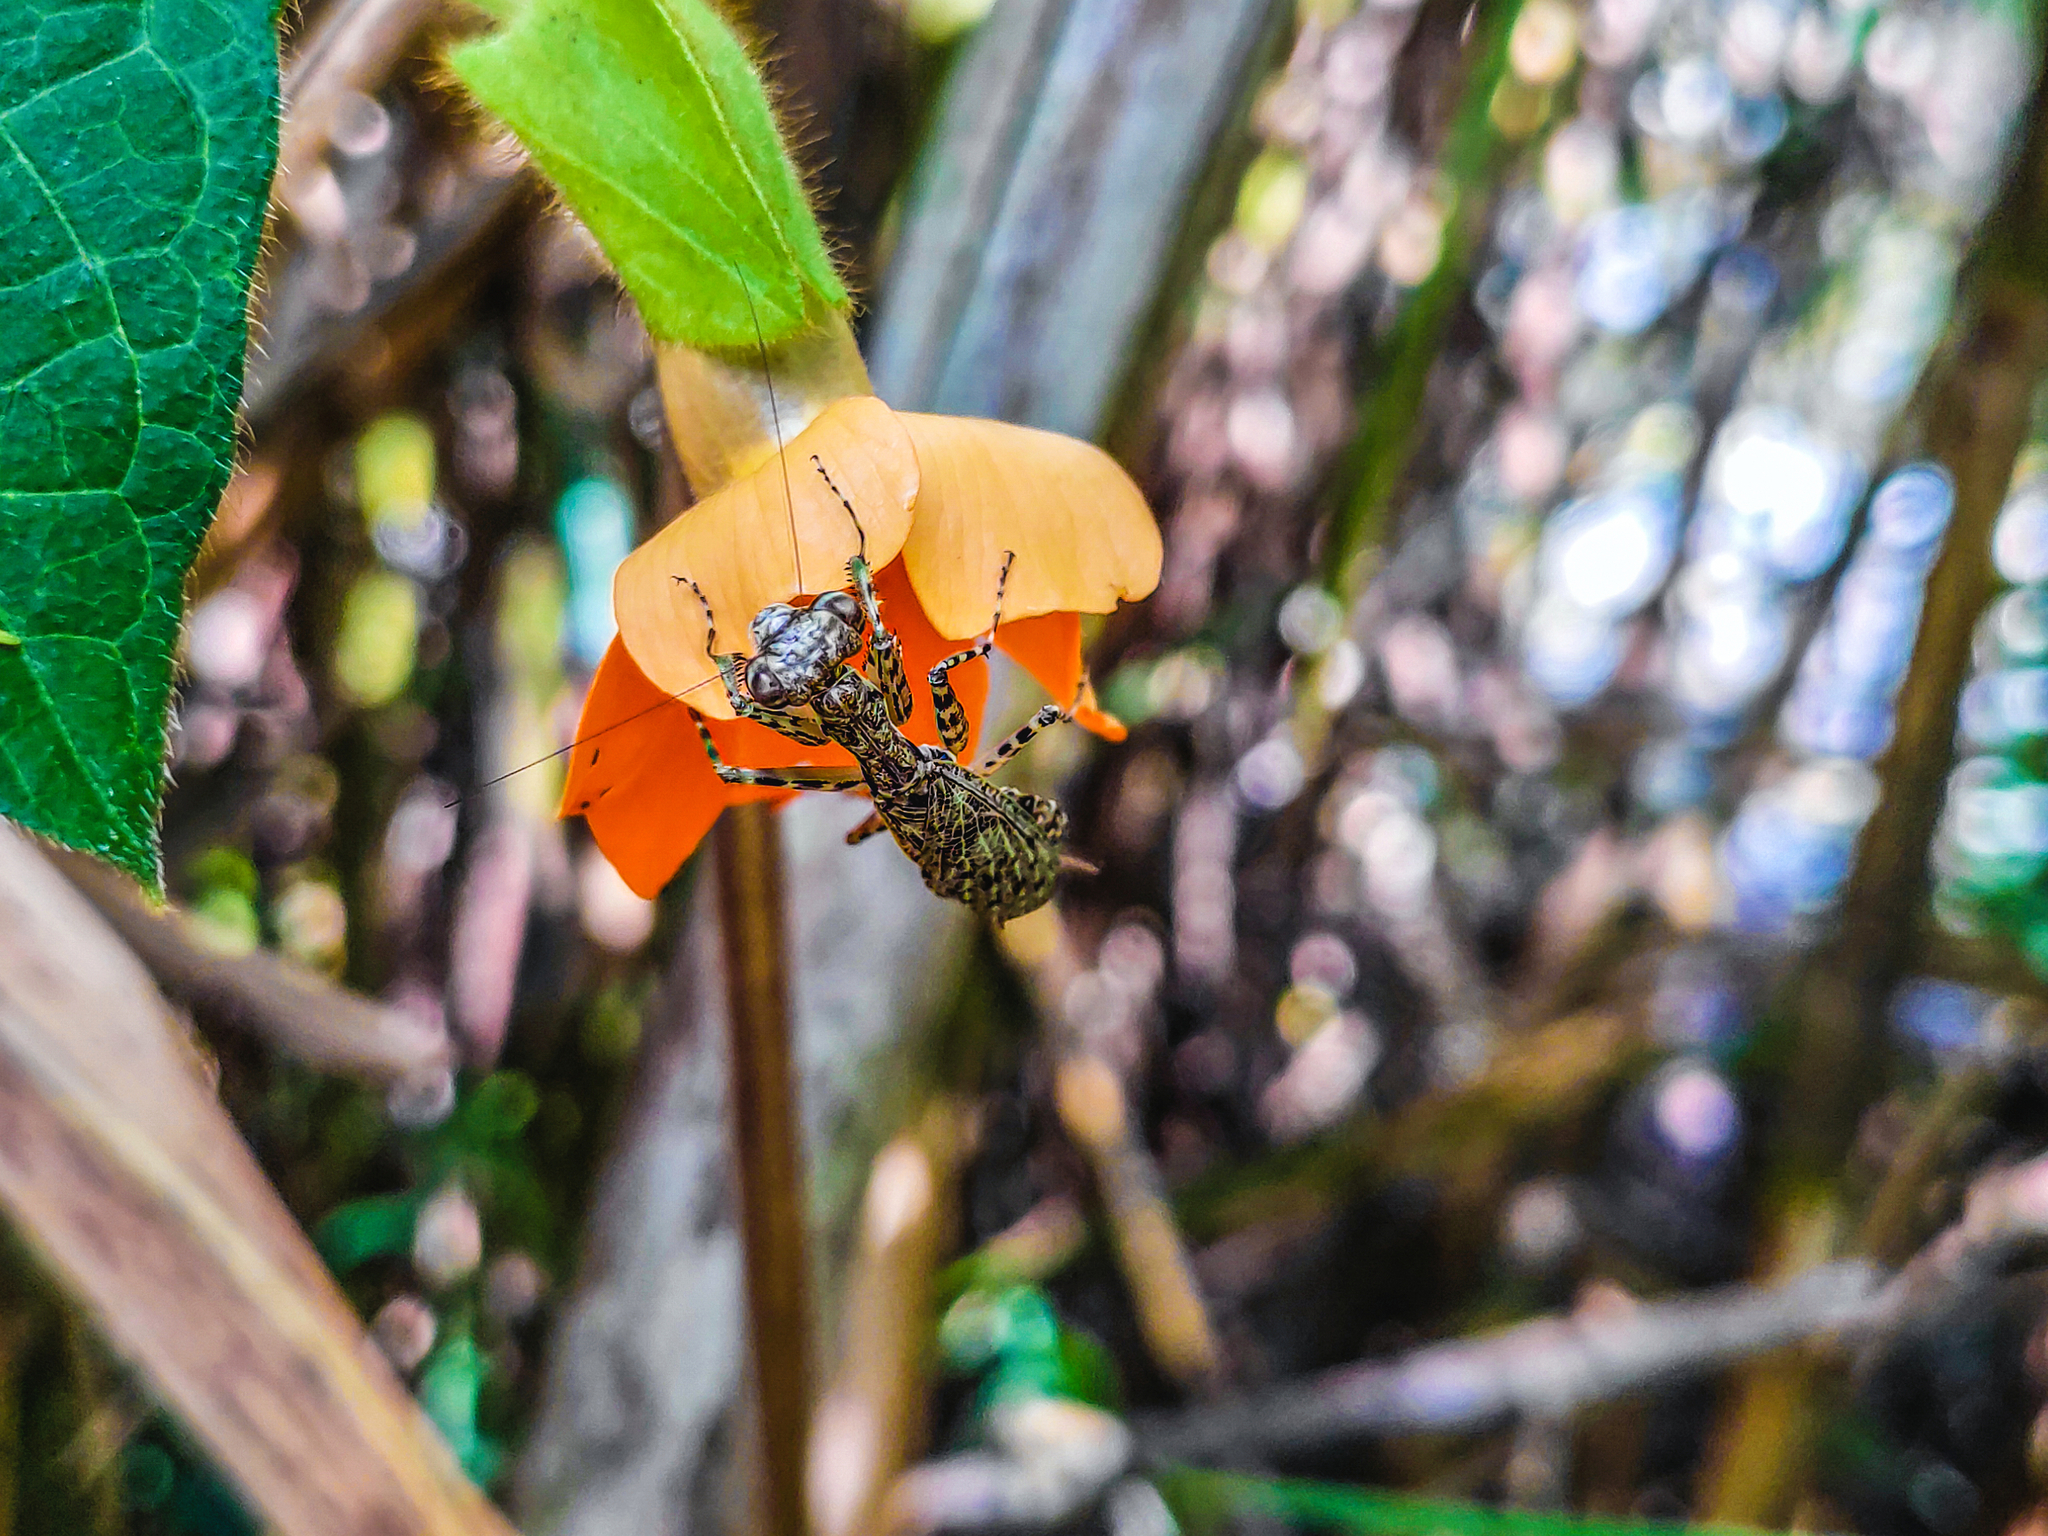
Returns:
point(765, 684)
point(842, 606)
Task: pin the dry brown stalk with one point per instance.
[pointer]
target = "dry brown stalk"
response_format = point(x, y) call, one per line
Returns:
point(1611, 1347)
point(1978, 405)
point(123, 1171)
point(726, 416)
point(285, 1004)
point(1090, 1097)
point(767, 1155)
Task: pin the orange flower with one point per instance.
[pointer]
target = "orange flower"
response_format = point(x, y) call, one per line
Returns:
point(940, 500)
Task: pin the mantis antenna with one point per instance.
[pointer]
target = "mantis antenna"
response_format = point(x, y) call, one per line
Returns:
point(661, 703)
point(796, 555)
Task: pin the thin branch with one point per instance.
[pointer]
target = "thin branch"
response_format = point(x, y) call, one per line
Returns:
point(767, 1157)
point(354, 48)
point(285, 1004)
point(871, 1420)
point(1551, 1366)
point(1556, 1366)
point(1092, 1102)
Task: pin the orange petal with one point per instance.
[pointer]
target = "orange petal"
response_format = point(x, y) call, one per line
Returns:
point(1049, 648)
point(639, 776)
point(1082, 534)
point(744, 744)
point(736, 545)
point(1091, 716)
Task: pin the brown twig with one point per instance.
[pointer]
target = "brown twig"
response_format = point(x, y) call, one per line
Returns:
point(1976, 426)
point(1090, 1098)
point(1543, 1372)
point(1764, 1434)
point(295, 1009)
point(1460, 1137)
point(1893, 1220)
point(1978, 405)
point(353, 49)
point(2004, 1210)
point(767, 1155)
point(1149, 1246)
point(1552, 1366)
point(1051, 1457)
point(1033, 1248)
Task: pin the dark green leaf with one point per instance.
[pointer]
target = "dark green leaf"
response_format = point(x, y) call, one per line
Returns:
point(648, 115)
point(136, 144)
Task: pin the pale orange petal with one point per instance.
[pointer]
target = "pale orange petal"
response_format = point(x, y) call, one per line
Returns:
point(1083, 537)
point(736, 545)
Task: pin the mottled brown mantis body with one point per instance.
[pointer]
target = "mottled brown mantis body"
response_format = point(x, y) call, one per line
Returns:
point(991, 847)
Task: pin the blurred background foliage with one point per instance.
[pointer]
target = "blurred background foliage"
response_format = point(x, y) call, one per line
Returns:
point(1556, 1040)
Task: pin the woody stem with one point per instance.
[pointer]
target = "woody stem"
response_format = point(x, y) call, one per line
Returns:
point(767, 1154)
point(725, 416)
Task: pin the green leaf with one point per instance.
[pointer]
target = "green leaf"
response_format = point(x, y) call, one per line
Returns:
point(500, 1109)
point(649, 117)
point(373, 1227)
point(450, 1383)
point(136, 145)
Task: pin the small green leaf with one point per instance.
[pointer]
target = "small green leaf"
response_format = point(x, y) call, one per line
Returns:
point(649, 117)
point(136, 145)
point(374, 1227)
point(498, 1110)
point(449, 1386)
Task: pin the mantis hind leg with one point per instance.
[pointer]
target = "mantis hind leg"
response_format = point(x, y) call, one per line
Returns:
point(1053, 821)
point(1046, 812)
point(869, 825)
point(1048, 716)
